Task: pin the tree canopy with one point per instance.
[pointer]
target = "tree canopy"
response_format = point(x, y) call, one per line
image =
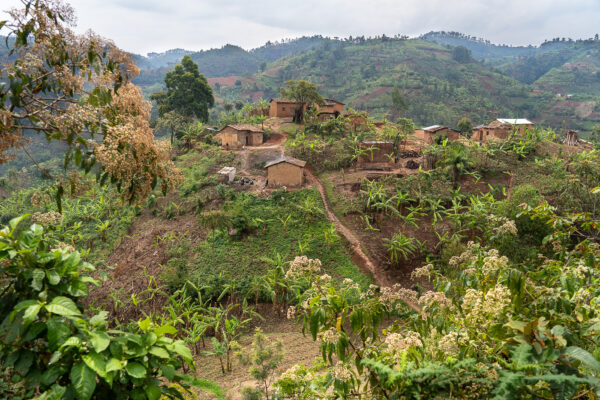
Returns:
point(304, 92)
point(465, 126)
point(188, 92)
point(73, 88)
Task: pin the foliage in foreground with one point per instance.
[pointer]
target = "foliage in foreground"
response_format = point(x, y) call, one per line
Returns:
point(492, 328)
point(51, 348)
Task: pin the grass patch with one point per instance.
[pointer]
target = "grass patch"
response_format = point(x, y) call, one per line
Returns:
point(285, 225)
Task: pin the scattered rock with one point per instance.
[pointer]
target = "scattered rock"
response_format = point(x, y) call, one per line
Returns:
point(412, 164)
point(409, 154)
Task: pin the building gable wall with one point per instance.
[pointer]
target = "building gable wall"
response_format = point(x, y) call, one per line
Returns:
point(285, 174)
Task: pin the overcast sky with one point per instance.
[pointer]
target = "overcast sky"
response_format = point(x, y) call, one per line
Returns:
point(143, 26)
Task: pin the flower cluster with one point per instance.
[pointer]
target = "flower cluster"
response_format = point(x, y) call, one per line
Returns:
point(492, 262)
point(48, 218)
point(450, 343)
point(341, 372)
point(392, 296)
point(329, 336)
point(302, 266)
point(349, 284)
point(481, 309)
point(504, 225)
point(430, 299)
point(397, 342)
point(291, 312)
point(422, 272)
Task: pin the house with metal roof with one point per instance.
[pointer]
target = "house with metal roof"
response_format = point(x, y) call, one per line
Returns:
point(501, 129)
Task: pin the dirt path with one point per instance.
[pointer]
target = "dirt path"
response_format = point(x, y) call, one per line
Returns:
point(359, 256)
point(364, 260)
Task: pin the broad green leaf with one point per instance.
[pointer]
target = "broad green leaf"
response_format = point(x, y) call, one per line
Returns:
point(168, 371)
point(182, 350)
point(96, 362)
point(58, 331)
point(53, 277)
point(136, 370)
point(145, 324)
point(585, 357)
point(159, 352)
point(99, 319)
point(78, 289)
point(63, 306)
point(72, 341)
point(83, 380)
point(31, 313)
point(38, 279)
point(56, 392)
point(165, 330)
point(100, 341)
point(153, 391)
point(113, 365)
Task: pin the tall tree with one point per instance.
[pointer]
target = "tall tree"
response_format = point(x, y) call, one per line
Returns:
point(305, 93)
point(75, 88)
point(398, 102)
point(465, 126)
point(188, 92)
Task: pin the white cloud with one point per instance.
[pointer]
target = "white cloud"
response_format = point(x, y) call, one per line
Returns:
point(154, 25)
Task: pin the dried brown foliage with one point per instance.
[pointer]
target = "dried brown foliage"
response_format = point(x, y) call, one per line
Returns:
point(76, 88)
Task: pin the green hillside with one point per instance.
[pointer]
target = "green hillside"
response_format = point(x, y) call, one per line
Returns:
point(439, 89)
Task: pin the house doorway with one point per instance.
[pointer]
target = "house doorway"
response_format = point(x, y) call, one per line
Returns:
point(246, 140)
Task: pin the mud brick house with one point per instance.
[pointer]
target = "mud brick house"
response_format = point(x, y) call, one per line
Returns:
point(282, 108)
point(330, 109)
point(285, 171)
point(378, 152)
point(430, 132)
point(236, 136)
point(501, 129)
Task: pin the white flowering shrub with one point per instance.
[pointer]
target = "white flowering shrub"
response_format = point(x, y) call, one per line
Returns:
point(490, 329)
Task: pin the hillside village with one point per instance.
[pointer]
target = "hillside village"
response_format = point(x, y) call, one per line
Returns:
point(313, 219)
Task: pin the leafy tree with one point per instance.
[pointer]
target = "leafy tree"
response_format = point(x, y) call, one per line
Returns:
point(461, 54)
point(228, 107)
point(264, 359)
point(51, 348)
point(73, 89)
point(239, 105)
point(465, 126)
point(398, 102)
point(304, 92)
point(457, 160)
point(174, 123)
point(188, 92)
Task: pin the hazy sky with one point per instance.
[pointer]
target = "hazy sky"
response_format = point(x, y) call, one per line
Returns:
point(142, 26)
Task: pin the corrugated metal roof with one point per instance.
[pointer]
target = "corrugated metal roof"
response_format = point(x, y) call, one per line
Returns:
point(434, 128)
point(515, 121)
point(290, 160)
point(375, 142)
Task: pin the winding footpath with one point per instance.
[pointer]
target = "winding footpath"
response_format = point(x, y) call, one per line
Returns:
point(360, 258)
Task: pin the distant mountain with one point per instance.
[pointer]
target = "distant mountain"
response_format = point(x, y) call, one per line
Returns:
point(438, 86)
point(228, 60)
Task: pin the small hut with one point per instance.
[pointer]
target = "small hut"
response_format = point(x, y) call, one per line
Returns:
point(285, 171)
point(236, 136)
point(430, 133)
